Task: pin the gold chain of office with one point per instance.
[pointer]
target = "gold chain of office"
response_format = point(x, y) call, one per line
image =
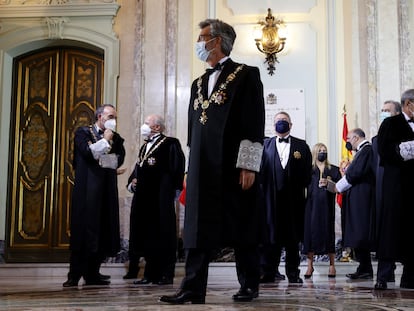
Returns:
point(217, 97)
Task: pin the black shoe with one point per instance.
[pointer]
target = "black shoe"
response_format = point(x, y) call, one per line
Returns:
point(279, 276)
point(97, 282)
point(246, 294)
point(104, 277)
point(71, 283)
point(267, 279)
point(130, 275)
point(380, 285)
point(183, 296)
point(143, 281)
point(165, 281)
point(407, 285)
point(296, 280)
point(308, 276)
point(360, 275)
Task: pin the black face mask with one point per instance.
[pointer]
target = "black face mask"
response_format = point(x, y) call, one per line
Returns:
point(322, 156)
point(348, 146)
point(282, 126)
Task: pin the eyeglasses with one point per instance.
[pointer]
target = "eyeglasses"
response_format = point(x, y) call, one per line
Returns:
point(204, 37)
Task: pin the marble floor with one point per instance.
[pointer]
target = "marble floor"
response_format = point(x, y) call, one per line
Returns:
point(39, 287)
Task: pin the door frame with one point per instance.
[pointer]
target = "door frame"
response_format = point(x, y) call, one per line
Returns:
point(24, 40)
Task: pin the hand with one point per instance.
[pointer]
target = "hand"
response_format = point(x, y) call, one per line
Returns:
point(323, 182)
point(246, 179)
point(108, 134)
point(134, 184)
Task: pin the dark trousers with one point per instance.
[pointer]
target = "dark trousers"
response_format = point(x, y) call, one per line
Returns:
point(159, 264)
point(84, 265)
point(270, 259)
point(363, 255)
point(197, 262)
point(385, 270)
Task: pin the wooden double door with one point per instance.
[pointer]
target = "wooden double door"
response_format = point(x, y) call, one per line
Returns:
point(54, 91)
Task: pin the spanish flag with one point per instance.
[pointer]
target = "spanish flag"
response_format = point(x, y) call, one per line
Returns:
point(346, 155)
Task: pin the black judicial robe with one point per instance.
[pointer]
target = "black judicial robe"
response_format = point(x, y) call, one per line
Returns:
point(397, 210)
point(153, 220)
point(319, 235)
point(360, 200)
point(285, 191)
point(95, 204)
point(218, 213)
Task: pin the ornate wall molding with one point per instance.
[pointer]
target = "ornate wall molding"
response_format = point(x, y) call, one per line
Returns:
point(55, 26)
point(171, 65)
point(372, 69)
point(67, 9)
point(405, 45)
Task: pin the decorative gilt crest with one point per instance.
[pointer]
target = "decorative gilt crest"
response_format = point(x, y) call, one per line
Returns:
point(297, 155)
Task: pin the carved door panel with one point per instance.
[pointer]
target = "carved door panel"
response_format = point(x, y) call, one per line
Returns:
point(54, 92)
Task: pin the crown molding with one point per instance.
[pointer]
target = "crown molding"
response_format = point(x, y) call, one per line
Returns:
point(75, 10)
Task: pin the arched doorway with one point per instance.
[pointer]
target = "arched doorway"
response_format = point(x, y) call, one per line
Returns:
point(55, 90)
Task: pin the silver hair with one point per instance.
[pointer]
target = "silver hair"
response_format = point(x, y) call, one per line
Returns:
point(407, 95)
point(223, 30)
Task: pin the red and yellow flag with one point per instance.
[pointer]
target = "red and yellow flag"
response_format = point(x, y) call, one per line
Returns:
point(346, 155)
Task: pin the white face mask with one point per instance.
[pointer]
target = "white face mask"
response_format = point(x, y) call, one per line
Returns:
point(110, 124)
point(201, 51)
point(383, 115)
point(145, 130)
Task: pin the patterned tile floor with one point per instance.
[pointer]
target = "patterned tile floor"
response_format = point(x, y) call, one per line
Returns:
point(34, 288)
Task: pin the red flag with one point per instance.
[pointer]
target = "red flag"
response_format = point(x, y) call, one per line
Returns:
point(183, 193)
point(346, 155)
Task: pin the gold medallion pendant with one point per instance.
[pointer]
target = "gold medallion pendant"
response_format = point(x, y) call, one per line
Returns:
point(218, 97)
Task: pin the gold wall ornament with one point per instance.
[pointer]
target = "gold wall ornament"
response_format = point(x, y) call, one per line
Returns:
point(270, 41)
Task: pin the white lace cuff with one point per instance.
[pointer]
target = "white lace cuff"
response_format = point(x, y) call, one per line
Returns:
point(99, 148)
point(250, 155)
point(407, 150)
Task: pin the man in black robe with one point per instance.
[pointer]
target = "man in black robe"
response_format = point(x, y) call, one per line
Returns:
point(157, 176)
point(285, 174)
point(396, 150)
point(94, 235)
point(389, 108)
point(359, 202)
point(225, 135)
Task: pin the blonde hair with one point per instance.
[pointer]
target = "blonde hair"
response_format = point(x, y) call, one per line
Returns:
point(315, 151)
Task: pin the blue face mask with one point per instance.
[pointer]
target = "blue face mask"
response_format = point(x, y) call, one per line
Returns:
point(383, 115)
point(201, 51)
point(282, 126)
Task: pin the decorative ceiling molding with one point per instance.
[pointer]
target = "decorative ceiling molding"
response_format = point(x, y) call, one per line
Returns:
point(68, 9)
point(257, 7)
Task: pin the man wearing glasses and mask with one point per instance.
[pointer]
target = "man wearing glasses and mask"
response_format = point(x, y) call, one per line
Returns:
point(225, 137)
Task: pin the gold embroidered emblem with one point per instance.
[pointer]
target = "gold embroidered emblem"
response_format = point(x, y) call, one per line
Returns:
point(297, 155)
